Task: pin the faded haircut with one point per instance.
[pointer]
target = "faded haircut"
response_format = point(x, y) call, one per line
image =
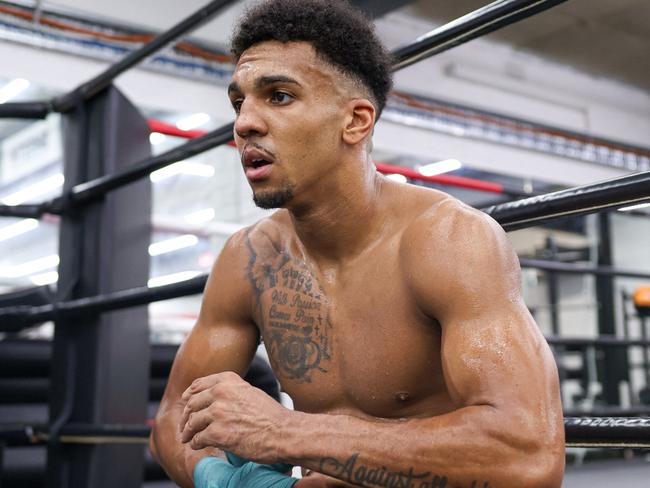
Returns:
point(340, 34)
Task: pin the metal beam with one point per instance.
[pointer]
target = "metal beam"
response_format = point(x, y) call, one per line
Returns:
point(475, 24)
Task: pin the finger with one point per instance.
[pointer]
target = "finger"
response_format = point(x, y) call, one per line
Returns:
point(196, 442)
point(205, 382)
point(198, 385)
point(196, 402)
point(197, 422)
point(200, 440)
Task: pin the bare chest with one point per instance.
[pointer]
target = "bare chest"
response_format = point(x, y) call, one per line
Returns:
point(355, 341)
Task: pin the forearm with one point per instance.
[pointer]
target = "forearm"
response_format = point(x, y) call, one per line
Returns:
point(473, 447)
point(177, 458)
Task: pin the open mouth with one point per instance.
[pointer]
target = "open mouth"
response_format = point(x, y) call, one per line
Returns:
point(258, 163)
point(257, 168)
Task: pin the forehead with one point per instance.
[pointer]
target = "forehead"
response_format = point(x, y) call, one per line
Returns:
point(295, 59)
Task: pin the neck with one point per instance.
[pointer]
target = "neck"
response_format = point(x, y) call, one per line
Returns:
point(342, 215)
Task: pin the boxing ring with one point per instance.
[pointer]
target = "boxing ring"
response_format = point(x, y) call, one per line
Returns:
point(106, 196)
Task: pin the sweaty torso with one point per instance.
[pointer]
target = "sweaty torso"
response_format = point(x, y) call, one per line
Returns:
point(346, 339)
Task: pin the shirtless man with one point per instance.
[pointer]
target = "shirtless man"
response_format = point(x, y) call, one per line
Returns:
point(391, 313)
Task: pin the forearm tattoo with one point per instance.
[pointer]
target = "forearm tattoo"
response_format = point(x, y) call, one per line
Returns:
point(292, 309)
point(354, 471)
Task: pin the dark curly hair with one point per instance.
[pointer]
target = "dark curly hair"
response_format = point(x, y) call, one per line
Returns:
point(342, 35)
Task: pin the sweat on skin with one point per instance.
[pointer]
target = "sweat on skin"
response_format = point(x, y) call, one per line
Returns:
point(391, 314)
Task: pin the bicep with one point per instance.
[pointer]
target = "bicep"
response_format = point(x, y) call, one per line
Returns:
point(492, 351)
point(209, 349)
point(497, 357)
point(225, 337)
point(499, 366)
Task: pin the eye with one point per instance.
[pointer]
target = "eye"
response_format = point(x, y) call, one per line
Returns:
point(236, 105)
point(280, 98)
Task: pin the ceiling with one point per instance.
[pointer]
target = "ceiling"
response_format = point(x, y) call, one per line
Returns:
point(609, 38)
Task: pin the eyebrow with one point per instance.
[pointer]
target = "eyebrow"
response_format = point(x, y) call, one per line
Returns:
point(270, 80)
point(264, 81)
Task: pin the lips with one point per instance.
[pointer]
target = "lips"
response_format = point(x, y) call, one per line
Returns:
point(257, 163)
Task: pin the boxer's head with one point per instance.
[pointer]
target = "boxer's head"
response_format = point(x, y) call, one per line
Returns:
point(310, 81)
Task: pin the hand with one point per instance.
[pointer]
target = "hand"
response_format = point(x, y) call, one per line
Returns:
point(224, 411)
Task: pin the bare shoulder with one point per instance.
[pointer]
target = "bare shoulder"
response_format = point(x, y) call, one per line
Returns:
point(450, 249)
point(270, 233)
point(232, 281)
point(263, 237)
point(449, 224)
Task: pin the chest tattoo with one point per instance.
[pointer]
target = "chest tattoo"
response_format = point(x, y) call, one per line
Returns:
point(292, 310)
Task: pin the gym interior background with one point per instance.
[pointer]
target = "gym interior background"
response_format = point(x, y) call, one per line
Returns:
point(558, 100)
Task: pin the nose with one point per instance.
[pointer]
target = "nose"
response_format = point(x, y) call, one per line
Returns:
point(250, 121)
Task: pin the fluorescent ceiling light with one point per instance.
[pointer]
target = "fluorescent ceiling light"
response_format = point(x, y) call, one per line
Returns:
point(634, 207)
point(45, 278)
point(182, 167)
point(174, 244)
point(35, 190)
point(30, 267)
point(18, 228)
point(172, 278)
point(193, 121)
point(457, 131)
point(156, 138)
point(440, 167)
point(397, 177)
point(200, 216)
point(13, 89)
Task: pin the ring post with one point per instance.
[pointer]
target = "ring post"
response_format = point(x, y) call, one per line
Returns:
point(99, 371)
point(614, 365)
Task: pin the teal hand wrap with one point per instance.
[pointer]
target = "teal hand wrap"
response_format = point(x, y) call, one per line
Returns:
point(236, 460)
point(211, 472)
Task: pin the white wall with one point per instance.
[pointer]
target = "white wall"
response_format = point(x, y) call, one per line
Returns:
point(481, 74)
point(495, 77)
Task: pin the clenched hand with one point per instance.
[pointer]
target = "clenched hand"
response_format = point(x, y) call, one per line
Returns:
point(224, 411)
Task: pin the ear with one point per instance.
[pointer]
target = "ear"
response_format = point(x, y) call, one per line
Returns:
point(359, 121)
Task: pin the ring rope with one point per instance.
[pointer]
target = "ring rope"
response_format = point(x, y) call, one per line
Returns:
point(581, 432)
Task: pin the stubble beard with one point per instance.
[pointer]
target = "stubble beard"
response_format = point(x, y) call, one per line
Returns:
point(273, 198)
